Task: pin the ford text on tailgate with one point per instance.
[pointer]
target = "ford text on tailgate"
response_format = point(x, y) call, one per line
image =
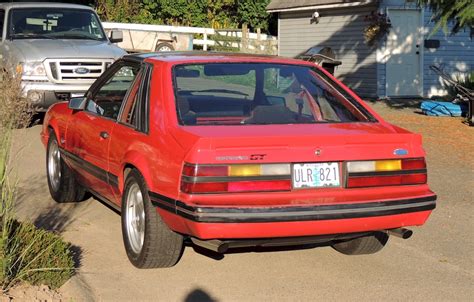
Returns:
point(234, 151)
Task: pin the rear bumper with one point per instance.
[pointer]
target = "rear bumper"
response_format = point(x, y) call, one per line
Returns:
point(259, 222)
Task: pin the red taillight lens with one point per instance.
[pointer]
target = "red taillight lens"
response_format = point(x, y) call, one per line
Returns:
point(412, 179)
point(192, 170)
point(236, 186)
point(204, 187)
point(410, 172)
point(413, 164)
point(376, 181)
point(254, 186)
point(198, 179)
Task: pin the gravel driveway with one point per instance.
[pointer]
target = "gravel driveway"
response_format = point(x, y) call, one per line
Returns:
point(435, 264)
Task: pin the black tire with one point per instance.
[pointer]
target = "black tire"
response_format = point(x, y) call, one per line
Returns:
point(164, 46)
point(66, 189)
point(161, 246)
point(369, 244)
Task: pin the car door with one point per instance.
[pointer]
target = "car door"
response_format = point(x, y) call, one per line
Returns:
point(89, 130)
point(131, 129)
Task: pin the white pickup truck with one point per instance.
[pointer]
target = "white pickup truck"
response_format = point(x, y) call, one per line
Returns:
point(58, 49)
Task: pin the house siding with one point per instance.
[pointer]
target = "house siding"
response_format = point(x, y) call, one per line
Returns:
point(342, 30)
point(455, 54)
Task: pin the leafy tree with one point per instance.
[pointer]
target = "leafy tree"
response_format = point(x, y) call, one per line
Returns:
point(253, 12)
point(459, 11)
point(201, 13)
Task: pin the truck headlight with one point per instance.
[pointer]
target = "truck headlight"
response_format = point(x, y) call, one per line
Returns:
point(31, 69)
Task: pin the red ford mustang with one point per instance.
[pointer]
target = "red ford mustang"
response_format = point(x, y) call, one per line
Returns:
point(235, 151)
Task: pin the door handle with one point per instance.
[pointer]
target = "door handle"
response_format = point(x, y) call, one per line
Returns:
point(104, 134)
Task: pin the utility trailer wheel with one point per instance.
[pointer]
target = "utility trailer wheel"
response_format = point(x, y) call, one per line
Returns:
point(164, 46)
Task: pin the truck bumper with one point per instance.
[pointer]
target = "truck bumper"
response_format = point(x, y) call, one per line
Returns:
point(291, 221)
point(43, 95)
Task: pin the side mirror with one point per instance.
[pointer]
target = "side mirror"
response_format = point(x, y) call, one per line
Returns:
point(77, 103)
point(116, 36)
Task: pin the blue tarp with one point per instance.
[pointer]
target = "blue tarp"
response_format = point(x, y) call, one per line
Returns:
point(437, 108)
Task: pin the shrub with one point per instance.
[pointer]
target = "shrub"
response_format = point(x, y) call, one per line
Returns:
point(36, 256)
point(26, 253)
point(466, 81)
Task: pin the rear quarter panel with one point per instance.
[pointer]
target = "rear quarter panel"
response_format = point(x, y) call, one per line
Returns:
point(157, 155)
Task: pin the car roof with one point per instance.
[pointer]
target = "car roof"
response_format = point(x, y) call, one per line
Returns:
point(177, 57)
point(11, 5)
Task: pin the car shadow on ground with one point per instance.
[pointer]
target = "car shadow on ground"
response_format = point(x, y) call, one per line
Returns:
point(255, 249)
point(46, 214)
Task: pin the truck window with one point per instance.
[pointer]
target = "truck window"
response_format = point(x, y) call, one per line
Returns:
point(54, 23)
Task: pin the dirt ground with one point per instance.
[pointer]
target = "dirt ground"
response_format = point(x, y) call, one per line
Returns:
point(435, 264)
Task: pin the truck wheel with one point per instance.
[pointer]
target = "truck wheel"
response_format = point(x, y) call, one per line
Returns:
point(164, 46)
point(362, 245)
point(62, 184)
point(148, 241)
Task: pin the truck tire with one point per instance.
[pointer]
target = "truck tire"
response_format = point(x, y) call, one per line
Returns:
point(362, 245)
point(148, 241)
point(164, 46)
point(62, 183)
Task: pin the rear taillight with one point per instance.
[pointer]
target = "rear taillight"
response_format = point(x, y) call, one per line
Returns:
point(198, 179)
point(394, 172)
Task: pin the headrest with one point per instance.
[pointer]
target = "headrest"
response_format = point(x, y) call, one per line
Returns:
point(272, 114)
point(183, 105)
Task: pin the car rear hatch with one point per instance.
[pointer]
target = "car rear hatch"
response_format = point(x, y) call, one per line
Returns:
point(300, 164)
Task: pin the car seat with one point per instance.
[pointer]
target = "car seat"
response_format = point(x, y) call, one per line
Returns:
point(272, 114)
point(187, 116)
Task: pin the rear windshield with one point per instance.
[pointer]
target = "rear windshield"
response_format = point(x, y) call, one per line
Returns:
point(245, 93)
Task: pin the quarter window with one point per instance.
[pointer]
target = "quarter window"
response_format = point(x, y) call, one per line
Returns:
point(108, 99)
point(130, 109)
point(2, 17)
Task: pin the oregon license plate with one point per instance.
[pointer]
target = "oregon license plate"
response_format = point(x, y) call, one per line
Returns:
point(316, 175)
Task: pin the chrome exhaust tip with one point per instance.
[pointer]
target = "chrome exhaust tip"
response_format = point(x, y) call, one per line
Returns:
point(400, 232)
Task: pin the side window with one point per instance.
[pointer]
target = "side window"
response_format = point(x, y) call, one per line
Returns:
point(108, 99)
point(2, 19)
point(135, 109)
point(129, 114)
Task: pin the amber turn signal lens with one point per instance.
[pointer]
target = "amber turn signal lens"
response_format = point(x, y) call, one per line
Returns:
point(388, 165)
point(245, 170)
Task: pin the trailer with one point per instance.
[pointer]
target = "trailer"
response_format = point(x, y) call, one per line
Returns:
point(146, 38)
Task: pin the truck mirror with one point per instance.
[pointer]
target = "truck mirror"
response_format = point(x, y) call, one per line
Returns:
point(116, 36)
point(77, 103)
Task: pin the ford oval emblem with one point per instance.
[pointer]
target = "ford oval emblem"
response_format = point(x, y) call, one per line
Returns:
point(400, 152)
point(81, 70)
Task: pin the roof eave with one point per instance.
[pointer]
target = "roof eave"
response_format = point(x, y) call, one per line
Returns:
point(323, 6)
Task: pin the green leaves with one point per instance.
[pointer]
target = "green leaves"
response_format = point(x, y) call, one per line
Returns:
point(253, 13)
point(461, 12)
point(200, 13)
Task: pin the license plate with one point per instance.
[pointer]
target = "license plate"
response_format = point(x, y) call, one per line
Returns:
point(77, 95)
point(317, 175)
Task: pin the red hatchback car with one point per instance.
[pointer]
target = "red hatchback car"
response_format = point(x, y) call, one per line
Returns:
point(235, 151)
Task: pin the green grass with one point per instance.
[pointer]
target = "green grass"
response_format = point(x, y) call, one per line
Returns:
point(27, 253)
